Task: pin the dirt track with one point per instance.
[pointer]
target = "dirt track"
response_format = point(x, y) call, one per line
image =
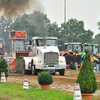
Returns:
point(63, 83)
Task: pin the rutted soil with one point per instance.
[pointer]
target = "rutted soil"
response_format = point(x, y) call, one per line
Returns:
point(62, 83)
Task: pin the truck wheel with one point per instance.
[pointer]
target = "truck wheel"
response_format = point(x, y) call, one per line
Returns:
point(62, 72)
point(34, 71)
point(29, 72)
point(53, 73)
point(24, 71)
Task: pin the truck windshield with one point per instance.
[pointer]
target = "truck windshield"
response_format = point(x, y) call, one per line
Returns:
point(68, 47)
point(77, 48)
point(47, 42)
point(19, 45)
point(73, 47)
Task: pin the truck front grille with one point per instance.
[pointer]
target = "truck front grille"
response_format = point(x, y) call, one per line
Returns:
point(51, 58)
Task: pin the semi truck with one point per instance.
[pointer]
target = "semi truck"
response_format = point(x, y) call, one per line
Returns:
point(45, 57)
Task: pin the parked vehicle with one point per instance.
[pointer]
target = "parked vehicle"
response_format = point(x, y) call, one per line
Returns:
point(94, 49)
point(71, 47)
point(18, 51)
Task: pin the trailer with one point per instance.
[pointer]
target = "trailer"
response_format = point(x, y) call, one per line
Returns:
point(18, 51)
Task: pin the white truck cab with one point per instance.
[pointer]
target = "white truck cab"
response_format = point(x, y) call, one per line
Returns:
point(45, 56)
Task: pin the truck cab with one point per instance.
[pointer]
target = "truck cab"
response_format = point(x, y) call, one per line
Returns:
point(45, 56)
point(93, 48)
point(71, 47)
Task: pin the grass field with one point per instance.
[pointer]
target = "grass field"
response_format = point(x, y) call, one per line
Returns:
point(10, 91)
point(15, 92)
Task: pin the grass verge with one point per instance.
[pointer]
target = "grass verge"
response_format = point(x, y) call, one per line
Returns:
point(11, 91)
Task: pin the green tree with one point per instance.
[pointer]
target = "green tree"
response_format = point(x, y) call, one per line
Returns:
point(97, 39)
point(4, 67)
point(22, 23)
point(86, 77)
point(4, 30)
point(75, 31)
point(54, 30)
point(36, 24)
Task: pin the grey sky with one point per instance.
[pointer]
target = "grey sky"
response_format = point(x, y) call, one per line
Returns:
point(85, 10)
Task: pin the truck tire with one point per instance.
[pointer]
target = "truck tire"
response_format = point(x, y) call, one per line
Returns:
point(34, 70)
point(24, 71)
point(53, 73)
point(29, 72)
point(62, 72)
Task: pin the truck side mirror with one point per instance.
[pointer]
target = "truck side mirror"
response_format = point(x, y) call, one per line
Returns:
point(30, 43)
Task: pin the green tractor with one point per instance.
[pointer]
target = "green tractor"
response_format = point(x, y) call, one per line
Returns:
point(94, 49)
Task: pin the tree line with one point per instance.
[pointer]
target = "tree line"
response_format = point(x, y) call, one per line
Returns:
point(38, 24)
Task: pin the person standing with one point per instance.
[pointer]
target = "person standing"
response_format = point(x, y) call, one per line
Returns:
point(82, 58)
point(92, 58)
point(79, 61)
point(67, 57)
point(74, 60)
point(98, 63)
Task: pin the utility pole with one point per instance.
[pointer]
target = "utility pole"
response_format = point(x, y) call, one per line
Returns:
point(65, 20)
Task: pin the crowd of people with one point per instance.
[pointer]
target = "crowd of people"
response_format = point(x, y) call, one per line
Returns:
point(74, 61)
point(98, 63)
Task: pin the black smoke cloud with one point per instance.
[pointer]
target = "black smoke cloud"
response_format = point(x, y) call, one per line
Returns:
point(13, 8)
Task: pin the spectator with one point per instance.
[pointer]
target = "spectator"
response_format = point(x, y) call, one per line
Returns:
point(74, 60)
point(98, 63)
point(79, 60)
point(92, 58)
point(82, 58)
point(67, 57)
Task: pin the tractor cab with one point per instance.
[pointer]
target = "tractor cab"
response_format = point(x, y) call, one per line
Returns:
point(71, 47)
point(93, 48)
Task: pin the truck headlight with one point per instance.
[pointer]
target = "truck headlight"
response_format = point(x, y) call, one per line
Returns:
point(62, 61)
point(37, 61)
